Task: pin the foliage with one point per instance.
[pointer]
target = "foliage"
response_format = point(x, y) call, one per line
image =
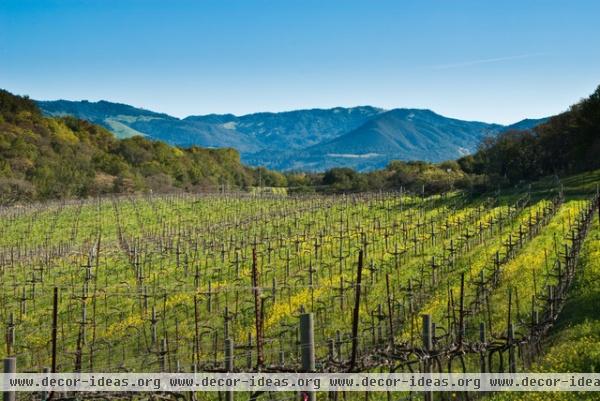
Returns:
point(414, 176)
point(567, 143)
point(45, 158)
point(574, 344)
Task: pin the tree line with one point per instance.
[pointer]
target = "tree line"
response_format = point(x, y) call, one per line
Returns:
point(567, 143)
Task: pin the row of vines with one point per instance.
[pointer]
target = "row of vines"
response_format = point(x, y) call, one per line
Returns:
point(394, 281)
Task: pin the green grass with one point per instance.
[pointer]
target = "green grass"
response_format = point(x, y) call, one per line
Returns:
point(574, 342)
point(574, 186)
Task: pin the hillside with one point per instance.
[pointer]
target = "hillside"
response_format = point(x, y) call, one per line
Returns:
point(294, 129)
point(364, 138)
point(402, 134)
point(63, 157)
point(565, 144)
point(574, 343)
point(248, 134)
point(527, 123)
point(126, 121)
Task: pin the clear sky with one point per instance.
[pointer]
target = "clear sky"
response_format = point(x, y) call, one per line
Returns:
point(495, 61)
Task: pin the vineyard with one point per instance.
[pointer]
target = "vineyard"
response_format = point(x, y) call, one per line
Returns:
point(383, 282)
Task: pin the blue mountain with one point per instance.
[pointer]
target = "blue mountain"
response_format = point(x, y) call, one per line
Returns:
point(361, 137)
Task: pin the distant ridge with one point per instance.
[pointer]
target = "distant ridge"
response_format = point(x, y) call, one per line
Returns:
point(362, 137)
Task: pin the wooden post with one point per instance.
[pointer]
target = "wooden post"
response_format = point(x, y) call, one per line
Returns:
point(307, 344)
point(153, 332)
point(10, 366)
point(229, 365)
point(427, 334)
point(338, 344)
point(257, 312)
point(482, 340)
point(162, 355)
point(427, 345)
point(54, 328)
point(550, 302)
point(355, 314)
point(331, 349)
point(228, 355)
point(512, 364)
point(249, 353)
point(461, 316)
point(196, 333)
point(10, 335)
point(389, 305)
point(45, 393)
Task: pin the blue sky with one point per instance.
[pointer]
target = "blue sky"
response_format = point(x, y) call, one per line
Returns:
point(496, 61)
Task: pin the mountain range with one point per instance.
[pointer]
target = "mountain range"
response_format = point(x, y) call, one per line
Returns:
point(363, 137)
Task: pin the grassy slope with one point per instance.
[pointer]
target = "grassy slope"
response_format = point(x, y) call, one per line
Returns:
point(574, 343)
point(121, 130)
point(575, 186)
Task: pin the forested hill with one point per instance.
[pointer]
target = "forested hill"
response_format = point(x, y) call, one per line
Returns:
point(567, 143)
point(64, 157)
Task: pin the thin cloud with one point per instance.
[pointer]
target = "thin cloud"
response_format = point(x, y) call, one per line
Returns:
point(485, 61)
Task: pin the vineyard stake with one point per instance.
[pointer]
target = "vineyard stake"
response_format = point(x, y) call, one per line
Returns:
point(54, 328)
point(196, 333)
point(461, 317)
point(427, 345)
point(44, 395)
point(257, 311)
point(355, 314)
point(10, 366)
point(307, 344)
point(389, 305)
point(512, 364)
point(482, 340)
point(229, 364)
